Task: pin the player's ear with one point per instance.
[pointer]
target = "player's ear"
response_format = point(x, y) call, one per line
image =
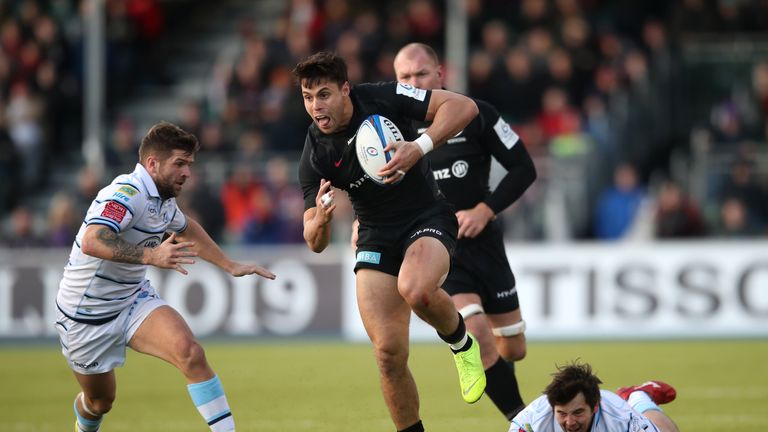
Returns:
point(345, 88)
point(151, 163)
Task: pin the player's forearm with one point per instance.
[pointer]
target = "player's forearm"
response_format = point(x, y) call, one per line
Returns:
point(521, 173)
point(205, 247)
point(451, 117)
point(317, 234)
point(101, 242)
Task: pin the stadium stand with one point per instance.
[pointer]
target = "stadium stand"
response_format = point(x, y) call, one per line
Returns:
point(588, 85)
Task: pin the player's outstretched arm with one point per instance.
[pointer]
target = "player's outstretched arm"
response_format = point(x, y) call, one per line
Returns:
point(204, 246)
point(101, 242)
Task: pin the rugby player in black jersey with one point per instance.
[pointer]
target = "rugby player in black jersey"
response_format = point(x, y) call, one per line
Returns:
point(407, 229)
point(480, 282)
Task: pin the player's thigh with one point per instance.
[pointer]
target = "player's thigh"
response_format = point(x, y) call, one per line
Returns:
point(510, 347)
point(386, 316)
point(98, 386)
point(163, 334)
point(425, 265)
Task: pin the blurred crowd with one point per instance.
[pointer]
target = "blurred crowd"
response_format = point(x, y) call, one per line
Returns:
point(598, 90)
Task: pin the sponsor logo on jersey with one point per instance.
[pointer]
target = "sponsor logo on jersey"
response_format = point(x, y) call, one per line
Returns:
point(114, 211)
point(151, 242)
point(442, 174)
point(455, 140)
point(128, 190)
point(121, 196)
point(411, 91)
point(505, 133)
point(460, 168)
point(507, 293)
point(359, 182)
point(369, 257)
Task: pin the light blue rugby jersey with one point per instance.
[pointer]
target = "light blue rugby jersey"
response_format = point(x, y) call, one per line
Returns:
point(614, 415)
point(93, 289)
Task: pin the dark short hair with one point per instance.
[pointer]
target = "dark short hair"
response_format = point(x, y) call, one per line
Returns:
point(569, 381)
point(319, 67)
point(163, 138)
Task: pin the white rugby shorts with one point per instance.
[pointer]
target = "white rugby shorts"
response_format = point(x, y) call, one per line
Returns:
point(94, 349)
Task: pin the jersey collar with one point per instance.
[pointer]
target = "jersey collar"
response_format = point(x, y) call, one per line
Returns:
point(147, 180)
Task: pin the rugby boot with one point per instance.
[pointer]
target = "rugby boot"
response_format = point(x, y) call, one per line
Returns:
point(471, 372)
point(659, 392)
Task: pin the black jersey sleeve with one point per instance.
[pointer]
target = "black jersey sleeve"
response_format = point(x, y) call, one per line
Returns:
point(507, 147)
point(408, 101)
point(309, 178)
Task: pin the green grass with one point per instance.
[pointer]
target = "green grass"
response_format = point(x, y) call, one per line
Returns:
point(326, 386)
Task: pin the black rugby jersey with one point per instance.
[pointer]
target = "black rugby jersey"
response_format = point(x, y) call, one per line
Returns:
point(332, 157)
point(462, 165)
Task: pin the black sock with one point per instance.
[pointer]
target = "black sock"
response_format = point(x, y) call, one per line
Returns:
point(457, 335)
point(416, 427)
point(502, 388)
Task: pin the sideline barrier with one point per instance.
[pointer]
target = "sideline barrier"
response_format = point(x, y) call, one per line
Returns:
point(567, 291)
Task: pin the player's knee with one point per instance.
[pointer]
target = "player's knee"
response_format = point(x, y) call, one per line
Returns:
point(513, 352)
point(99, 406)
point(391, 360)
point(413, 292)
point(190, 355)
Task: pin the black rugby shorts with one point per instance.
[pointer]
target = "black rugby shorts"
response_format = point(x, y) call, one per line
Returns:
point(480, 266)
point(382, 247)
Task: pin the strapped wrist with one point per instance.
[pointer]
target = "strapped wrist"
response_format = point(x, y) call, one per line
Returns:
point(425, 143)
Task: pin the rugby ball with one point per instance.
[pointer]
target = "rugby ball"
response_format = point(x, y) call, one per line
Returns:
point(372, 136)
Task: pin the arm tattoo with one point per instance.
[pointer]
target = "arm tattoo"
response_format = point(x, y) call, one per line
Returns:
point(122, 251)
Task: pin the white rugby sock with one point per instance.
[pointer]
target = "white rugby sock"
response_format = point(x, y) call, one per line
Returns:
point(460, 344)
point(210, 400)
point(641, 402)
point(84, 424)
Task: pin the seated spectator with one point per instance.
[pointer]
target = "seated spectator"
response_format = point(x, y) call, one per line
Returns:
point(618, 205)
point(22, 231)
point(742, 185)
point(63, 221)
point(246, 203)
point(676, 215)
point(735, 221)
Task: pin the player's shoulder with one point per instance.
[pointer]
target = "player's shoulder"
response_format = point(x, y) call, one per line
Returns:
point(389, 90)
point(536, 417)
point(485, 107)
point(126, 189)
point(614, 406)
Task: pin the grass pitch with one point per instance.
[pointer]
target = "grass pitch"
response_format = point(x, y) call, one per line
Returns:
point(328, 386)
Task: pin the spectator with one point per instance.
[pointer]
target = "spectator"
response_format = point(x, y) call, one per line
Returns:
point(742, 185)
point(22, 230)
point(734, 221)
point(246, 204)
point(618, 206)
point(63, 221)
point(677, 217)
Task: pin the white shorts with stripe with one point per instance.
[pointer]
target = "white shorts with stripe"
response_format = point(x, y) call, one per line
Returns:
point(93, 349)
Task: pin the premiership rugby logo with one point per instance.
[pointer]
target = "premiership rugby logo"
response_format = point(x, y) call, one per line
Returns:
point(114, 211)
